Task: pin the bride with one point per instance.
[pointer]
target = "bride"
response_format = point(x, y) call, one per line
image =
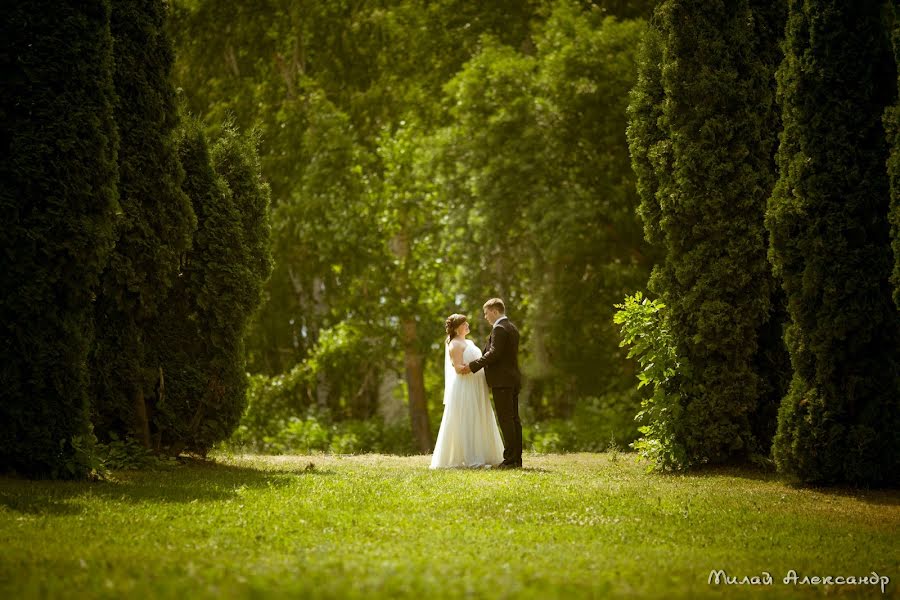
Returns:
point(469, 436)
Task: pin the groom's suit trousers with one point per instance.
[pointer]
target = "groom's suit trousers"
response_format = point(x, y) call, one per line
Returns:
point(506, 401)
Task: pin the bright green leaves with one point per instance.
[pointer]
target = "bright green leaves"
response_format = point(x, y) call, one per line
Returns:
point(644, 327)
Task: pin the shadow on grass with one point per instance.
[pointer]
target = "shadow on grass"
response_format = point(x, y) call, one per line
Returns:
point(876, 496)
point(193, 480)
point(739, 471)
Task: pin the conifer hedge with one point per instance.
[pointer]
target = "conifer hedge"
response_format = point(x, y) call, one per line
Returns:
point(154, 228)
point(58, 200)
point(827, 217)
point(892, 125)
point(199, 342)
point(702, 139)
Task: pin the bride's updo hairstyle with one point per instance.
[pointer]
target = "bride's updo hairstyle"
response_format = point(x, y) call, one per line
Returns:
point(452, 324)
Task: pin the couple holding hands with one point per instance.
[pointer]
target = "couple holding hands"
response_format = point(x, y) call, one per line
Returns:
point(469, 436)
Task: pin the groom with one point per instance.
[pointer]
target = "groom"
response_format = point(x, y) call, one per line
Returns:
point(501, 369)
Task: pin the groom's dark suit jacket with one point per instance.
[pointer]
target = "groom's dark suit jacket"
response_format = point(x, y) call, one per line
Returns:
point(501, 357)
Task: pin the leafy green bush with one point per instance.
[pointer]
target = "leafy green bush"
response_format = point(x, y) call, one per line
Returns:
point(281, 418)
point(271, 402)
point(594, 423)
point(545, 441)
point(116, 455)
point(317, 433)
point(300, 436)
point(644, 327)
point(129, 454)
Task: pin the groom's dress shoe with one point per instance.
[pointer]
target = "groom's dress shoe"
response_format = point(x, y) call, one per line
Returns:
point(509, 465)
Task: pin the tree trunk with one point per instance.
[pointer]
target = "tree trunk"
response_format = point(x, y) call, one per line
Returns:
point(142, 424)
point(313, 303)
point(415, 383)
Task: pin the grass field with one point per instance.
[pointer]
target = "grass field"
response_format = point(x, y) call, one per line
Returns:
point(566, 526)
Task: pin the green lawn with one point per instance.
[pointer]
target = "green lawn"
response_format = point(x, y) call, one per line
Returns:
point(576, 525)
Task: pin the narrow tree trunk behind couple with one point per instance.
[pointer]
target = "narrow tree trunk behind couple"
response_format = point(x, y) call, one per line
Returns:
point(413, 360)
point(415, 383)
point(141, 421)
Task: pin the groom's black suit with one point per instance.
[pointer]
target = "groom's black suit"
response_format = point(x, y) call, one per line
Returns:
point(500, 361)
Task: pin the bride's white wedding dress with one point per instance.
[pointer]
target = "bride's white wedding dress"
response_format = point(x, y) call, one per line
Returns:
point(469, 436)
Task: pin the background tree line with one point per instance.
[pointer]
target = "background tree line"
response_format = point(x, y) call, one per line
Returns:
point(410, 159)
point(393, 136)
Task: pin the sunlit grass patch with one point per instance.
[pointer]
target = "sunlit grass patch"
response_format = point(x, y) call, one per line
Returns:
point(574, 525)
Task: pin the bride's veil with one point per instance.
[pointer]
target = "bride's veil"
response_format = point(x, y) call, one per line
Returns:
point(449, 373)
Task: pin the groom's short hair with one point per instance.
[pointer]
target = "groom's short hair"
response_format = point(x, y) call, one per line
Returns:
point(496, 303)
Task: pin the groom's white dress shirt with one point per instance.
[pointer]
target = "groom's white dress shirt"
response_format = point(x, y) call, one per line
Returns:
point(498, 320)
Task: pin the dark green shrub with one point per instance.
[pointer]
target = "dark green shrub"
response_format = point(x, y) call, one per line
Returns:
point(199, 341)
point(58, 197)
point(827, 218)
point(892, 126)
point(154, 228)
point(702, 137)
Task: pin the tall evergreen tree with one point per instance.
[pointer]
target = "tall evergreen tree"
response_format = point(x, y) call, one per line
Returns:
point(647, 136)
point(199, 341)
point(58, 197)
point(155, 225)
point(235, 294)
point(892, 125)
point(830, 245)
point(702, 141)
point(772, 361)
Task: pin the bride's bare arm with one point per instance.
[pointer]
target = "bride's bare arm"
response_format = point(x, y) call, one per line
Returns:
point(456, 356)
